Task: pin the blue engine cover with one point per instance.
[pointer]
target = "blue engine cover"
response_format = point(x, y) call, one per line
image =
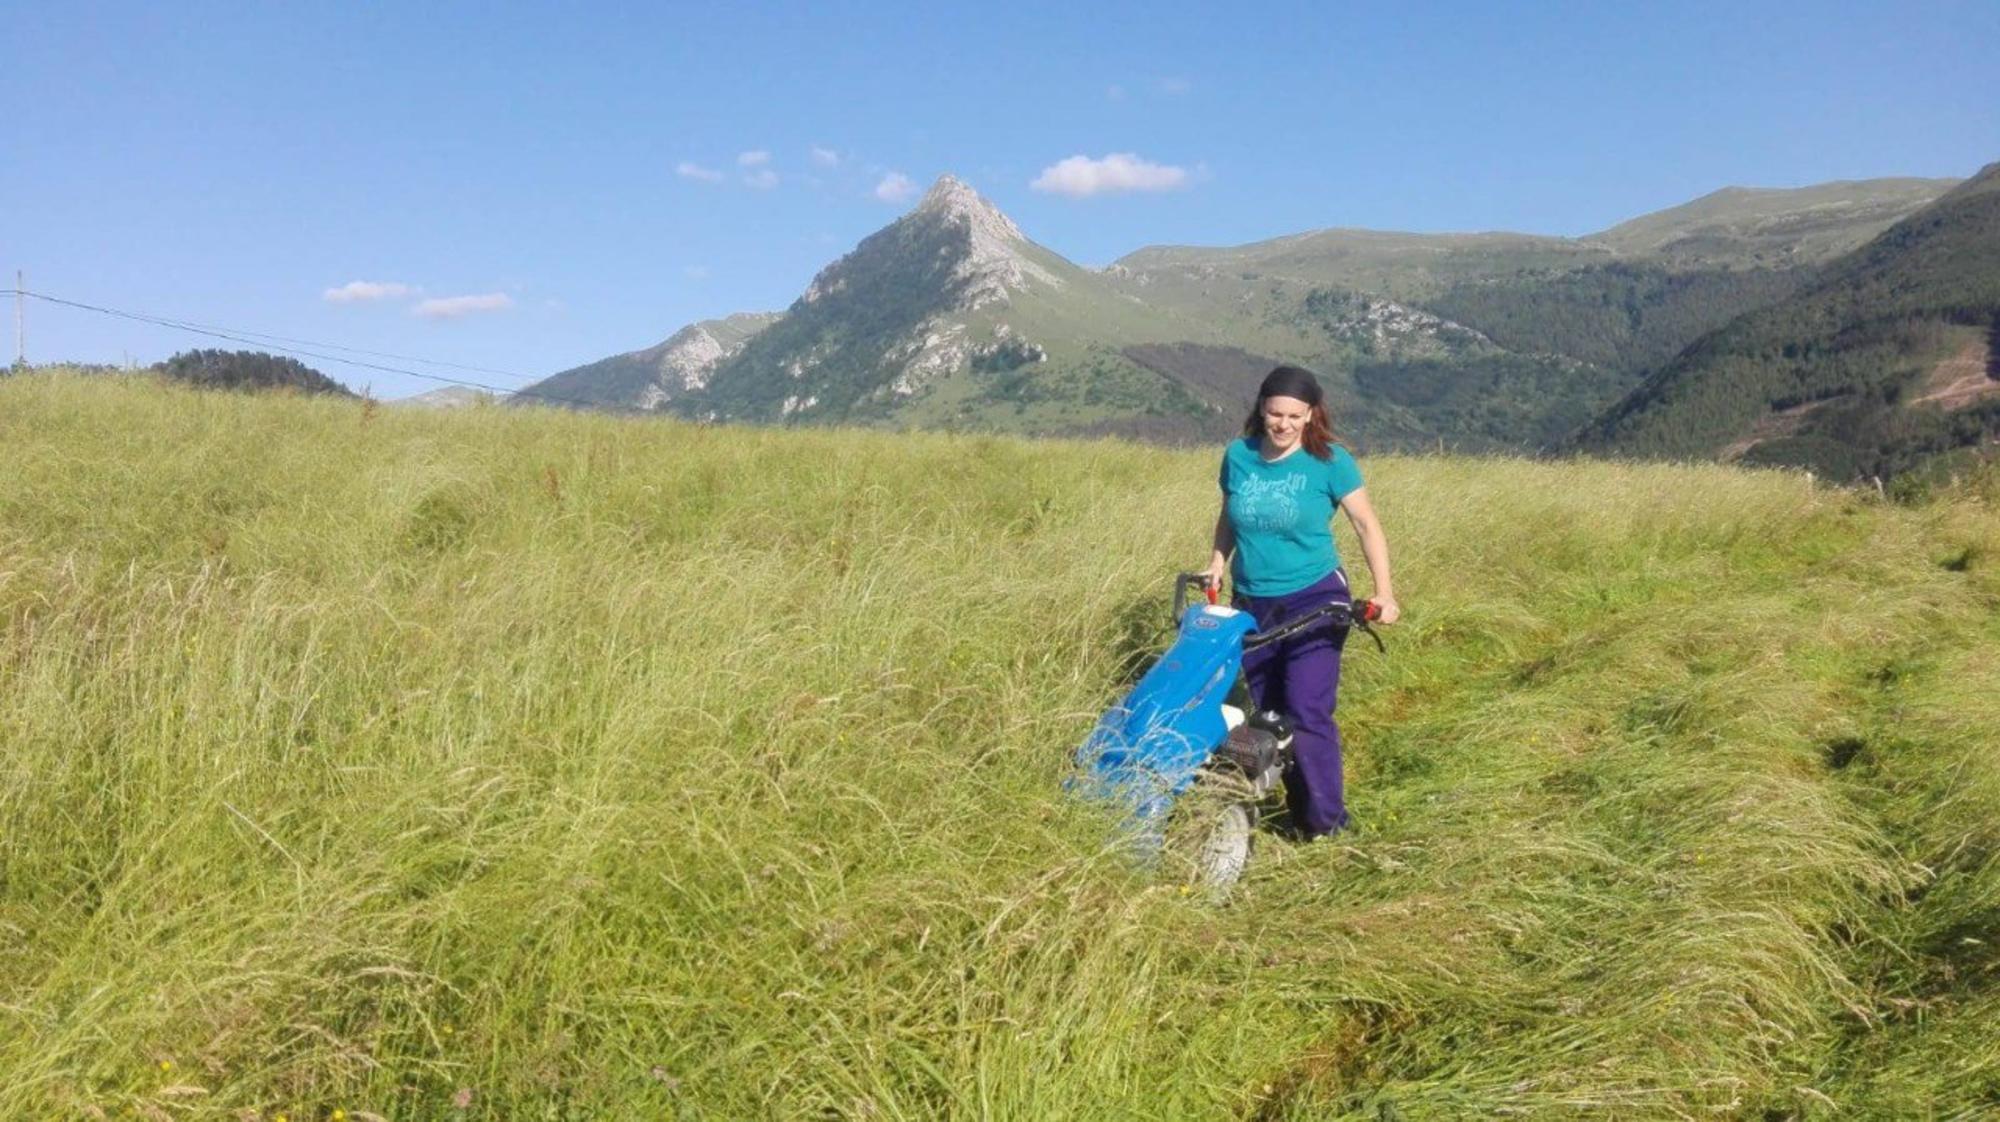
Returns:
point(1147, 750)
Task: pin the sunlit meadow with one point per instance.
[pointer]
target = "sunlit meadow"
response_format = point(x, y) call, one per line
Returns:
point(363, 763)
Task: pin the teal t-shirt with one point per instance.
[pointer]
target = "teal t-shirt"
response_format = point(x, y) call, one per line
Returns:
point(1283, 515)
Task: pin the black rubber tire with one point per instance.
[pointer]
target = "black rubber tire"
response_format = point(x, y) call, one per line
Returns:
point(1226, 851)
point(1210, 833)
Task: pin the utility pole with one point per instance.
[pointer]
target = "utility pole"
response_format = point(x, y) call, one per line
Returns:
point(20, 324)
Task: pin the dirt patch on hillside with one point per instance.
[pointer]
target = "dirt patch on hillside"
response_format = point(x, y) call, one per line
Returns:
point(1771, 426)
point(1224, 377)
point(1174, 432)
point(1973, 374)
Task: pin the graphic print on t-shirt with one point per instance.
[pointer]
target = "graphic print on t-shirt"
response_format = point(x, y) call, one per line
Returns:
point(1269, 505)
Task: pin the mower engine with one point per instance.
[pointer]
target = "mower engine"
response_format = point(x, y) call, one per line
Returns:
point(1259, 749)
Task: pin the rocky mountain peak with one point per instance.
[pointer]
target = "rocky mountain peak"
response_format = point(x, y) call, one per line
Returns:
point(953, 200)
point(983, 255)
point(994, 257)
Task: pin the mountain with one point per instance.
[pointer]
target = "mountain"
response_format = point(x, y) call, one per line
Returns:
point(650, 378)
point(930, 296)
point(1762, 226)
point(952, 317)
point(448, 397)
point(1734, 227)
point(1525, 338)
point(1887, 357)
point(1398, 266)
point(948, 316)
point(1680, 273)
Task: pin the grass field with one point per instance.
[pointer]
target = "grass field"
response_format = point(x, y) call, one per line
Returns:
point(517, 765)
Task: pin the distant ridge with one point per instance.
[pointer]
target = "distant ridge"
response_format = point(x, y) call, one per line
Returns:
point(449, 397)
point(1799, 224)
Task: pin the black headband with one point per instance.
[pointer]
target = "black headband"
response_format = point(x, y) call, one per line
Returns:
point(1291, 381)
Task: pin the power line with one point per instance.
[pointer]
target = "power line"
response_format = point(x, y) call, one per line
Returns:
point(259, 339)
point(191, 325)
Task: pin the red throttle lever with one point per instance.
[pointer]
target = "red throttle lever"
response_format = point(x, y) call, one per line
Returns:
point(1368, 611)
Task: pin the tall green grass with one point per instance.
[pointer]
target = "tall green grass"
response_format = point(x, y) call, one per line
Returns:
point(529, 766)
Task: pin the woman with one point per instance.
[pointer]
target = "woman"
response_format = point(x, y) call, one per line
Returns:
point(1280, 485)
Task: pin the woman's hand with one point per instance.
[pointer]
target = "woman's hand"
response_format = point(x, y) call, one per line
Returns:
point(1374, 549)
point(1218, 567)
point(1220, 545)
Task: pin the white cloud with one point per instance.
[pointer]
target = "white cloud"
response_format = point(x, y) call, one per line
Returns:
point(355, 292)
point(895, 188)
point(452, 307)
point(754, 158)
point(1115, 92)
point(825, 157)
point(763, 179)
point(1174, 87)
point(1119, 173)
point(688, 169)
point(695, 272)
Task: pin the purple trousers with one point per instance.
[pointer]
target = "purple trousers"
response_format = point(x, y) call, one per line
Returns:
point(1300, 677)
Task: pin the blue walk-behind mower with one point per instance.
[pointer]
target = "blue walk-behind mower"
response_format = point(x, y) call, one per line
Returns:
point(1189, 768)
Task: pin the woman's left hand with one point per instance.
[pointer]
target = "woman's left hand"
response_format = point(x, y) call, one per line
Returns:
point(1391, 611)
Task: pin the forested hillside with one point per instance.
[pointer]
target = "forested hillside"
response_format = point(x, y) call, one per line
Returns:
point(1629, 317)
point(1842, 376)
point(247, 370)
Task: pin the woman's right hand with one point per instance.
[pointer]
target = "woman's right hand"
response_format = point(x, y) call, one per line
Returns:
point(1218, 567)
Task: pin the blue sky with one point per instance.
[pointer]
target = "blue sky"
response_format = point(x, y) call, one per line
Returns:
point(529, 187)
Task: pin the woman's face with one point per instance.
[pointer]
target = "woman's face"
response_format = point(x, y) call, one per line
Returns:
point(1284, 422)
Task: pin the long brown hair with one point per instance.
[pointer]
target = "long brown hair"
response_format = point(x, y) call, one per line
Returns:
point(1317, 436)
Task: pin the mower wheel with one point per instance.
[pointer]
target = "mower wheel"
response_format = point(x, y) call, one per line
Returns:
point(1209, 835)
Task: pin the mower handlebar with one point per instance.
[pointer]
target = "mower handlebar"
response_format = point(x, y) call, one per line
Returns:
point(1185, 581)
point(1338, 614)
point(1360, 613)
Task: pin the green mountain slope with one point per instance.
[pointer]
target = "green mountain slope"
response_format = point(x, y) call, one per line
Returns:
point(1627, 316)
point(1840, 376)
point(1736, 227)
point(1530, 336)
point(1625, 300)
point(1397, 266)
point(1750, 226)
point(648, 379)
